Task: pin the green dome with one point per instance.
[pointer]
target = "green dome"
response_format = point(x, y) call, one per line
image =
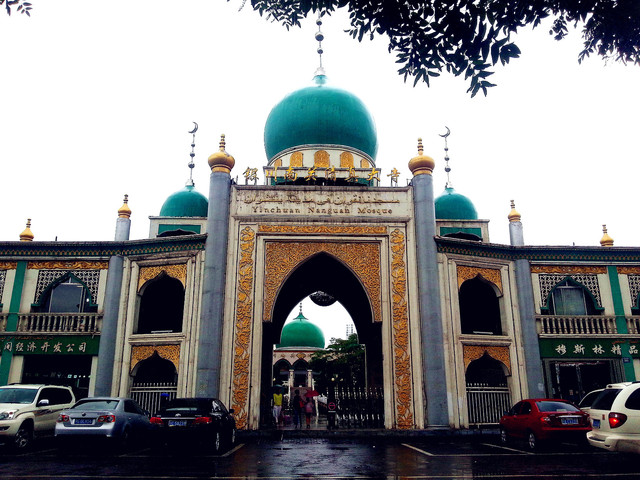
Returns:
point(453, 206)
point(300, 332)
point(320, 115)
point(185, 203)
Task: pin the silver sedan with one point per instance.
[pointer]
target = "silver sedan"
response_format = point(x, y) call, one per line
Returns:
point(106, 417)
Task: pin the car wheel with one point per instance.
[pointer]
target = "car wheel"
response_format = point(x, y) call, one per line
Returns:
point(125, 439)
point(216, 443)
point(504, 438)
point(24, 437)
point(532, 441)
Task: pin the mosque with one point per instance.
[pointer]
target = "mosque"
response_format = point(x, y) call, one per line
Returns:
point(456, 328)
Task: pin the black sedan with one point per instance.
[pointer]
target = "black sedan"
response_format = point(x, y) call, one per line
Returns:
point(189, 421)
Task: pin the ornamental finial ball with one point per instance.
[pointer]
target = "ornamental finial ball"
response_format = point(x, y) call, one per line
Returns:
point(514, 216)
point(422, 164)
point(27, 234)
point(125, 211)
point(221, 161)
point(606, 240)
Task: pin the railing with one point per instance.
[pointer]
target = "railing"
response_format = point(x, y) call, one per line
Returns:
point(633, 325)
point(576, 325)
point(487, 404)
point(60, 322)
point(3, 322)
point(151, 396)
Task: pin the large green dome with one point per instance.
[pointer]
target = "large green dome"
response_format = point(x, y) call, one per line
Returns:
point(185, 203)
point(320, 115)
point(454, 206)
point(300, 332)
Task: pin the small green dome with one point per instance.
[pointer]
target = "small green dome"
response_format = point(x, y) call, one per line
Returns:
point(185, 203)
point(320, 115)
point(454, 206)
point(300, 332)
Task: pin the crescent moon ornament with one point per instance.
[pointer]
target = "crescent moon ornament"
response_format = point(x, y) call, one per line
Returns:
point(446, 134)
point(195, 128)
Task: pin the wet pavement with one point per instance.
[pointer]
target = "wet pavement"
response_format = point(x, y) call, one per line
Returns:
point(290, 454)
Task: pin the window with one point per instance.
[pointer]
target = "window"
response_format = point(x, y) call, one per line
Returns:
point(633, 402)
point(479, 308)
point(69, 296)
point(568, 298)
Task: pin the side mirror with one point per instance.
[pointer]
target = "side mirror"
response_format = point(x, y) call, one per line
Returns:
point(43, 403)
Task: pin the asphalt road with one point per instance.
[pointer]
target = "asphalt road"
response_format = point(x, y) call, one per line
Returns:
point(452, 457)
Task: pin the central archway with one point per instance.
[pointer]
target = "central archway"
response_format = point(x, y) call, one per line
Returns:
point(324, 272)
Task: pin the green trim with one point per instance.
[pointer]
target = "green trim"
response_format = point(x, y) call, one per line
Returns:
point(544, 309)
point(50, 344)
point(62, 279)
point(12, 318)
point(621, 321)
point(589, 348)
point(449, 230)
point(165, 227)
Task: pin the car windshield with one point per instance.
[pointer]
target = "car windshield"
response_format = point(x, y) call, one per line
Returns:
point(95, 405)
point(549, 406)
point(17, 395)
point(188, 406)
point(605, 399)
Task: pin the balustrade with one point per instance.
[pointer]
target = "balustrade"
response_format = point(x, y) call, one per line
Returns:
point(576, 325)
point(60, 322)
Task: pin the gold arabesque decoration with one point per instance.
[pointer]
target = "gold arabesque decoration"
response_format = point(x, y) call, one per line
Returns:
point(142, 352)
point(363, 258)
point(179, 272)
point(242, 334)
point(8, 265)
point(567, 269)
point(625, 270)
point(64, 265)
point(324, 229)
point(490, 274)
point(321, 159)
point(497, 352)
point(296, 159)
point(401, 357)
point(346, 160)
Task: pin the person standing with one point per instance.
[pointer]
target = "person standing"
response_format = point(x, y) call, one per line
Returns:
point(277, 406)
point(308, 411)
point(297, 404)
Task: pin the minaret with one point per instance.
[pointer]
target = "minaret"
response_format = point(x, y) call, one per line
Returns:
point(215, 266)
point(433, 358)
point(108, 334)
point(526, 309)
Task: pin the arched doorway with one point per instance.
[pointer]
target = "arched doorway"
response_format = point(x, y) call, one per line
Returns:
point(487, 390)
point(154, 381)
point(325, 273)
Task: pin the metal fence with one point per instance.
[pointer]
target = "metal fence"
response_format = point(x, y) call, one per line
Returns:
point(152, 396)
point(487, 404)
point(358, 407)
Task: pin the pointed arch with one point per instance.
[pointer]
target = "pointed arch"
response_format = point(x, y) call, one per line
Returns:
point(554, 302)
point(87, 302)
point(479, 307)
point(161, 305)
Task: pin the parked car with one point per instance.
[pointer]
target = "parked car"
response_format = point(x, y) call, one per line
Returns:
point(587, 400)
point(28, 411)
point(538, 419)
point(615, 418)
point(113, 418)
point(193, 421)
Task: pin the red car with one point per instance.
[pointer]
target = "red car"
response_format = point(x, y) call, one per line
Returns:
point(539, 419)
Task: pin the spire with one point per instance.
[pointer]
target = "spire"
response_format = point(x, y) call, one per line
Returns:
point(514, 216)
point(27, 234)
point(606, 240)
point(221, 161)
point(422, 164)
point(447, 168)
point(319, 38)
point(192, 154)
point(125, 211)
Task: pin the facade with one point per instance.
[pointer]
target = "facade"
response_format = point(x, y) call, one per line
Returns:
point(456, 328)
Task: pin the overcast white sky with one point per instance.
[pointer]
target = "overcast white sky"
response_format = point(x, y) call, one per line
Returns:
point(98, 98)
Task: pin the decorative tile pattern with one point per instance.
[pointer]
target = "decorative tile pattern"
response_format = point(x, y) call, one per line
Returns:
point(589, 281)
point(91, 278)
point(490, 274)
point(3, 276)
point(497, 352)
point(634, 287)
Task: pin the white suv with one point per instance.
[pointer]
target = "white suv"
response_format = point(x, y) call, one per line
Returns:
point(27, 411)
point(615, 418)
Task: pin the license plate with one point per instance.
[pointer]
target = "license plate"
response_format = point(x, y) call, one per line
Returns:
point(83, 421)
point(596, 423)
point(177, 423)
point(569, 421)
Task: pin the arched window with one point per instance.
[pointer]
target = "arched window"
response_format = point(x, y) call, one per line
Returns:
point(281, 372)
point(479, 308)
point(300, 373)
point(69, 295)
point(161, 306)
point(155, 369)
point(570, 298)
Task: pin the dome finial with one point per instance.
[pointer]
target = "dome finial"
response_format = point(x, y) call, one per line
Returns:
point(422, 164)
point(606, 240)
point(27, 234)
point(125, 211)
point(513, 216)
point(192, 154)
point(221, 161)
point(447, 168)
point(319, 38)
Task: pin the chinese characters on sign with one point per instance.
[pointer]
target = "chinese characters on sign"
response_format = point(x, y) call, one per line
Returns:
point(54, 345)
point(590, 349)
